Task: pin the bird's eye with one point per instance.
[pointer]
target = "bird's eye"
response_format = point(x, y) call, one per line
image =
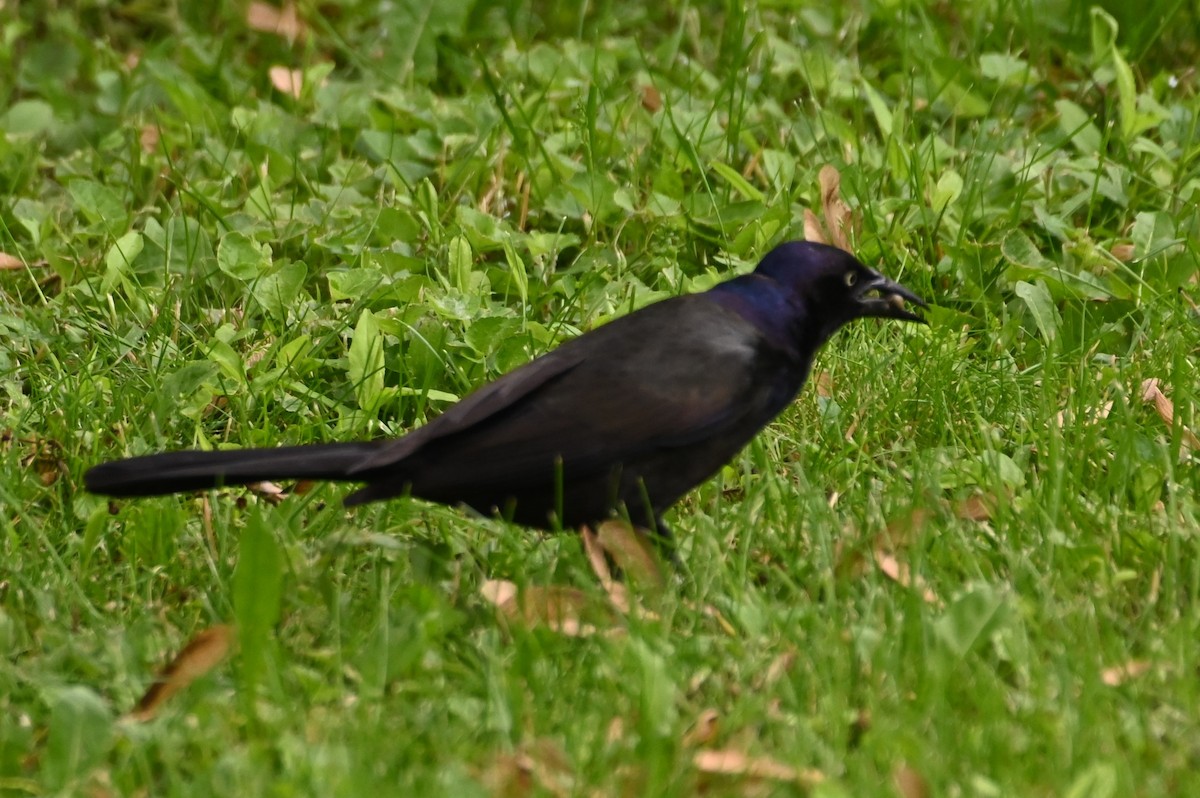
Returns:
point(850, 279)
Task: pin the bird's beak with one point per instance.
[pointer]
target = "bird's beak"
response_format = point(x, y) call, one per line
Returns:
point(885, 298)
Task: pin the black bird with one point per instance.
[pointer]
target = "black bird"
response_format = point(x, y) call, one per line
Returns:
point(620, 421)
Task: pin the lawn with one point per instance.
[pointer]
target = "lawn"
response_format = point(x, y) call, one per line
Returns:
point(965, 562)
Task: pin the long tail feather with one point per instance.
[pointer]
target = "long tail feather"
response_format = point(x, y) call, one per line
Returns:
point(178, 472)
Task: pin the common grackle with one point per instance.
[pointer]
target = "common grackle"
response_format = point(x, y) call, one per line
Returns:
point(622, 420)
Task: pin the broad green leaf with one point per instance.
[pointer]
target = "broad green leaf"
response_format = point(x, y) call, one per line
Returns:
point(1006, 68)
point(188, 245)
point(120, 258)
point(1037, 299)
point(1019, 249)
point(484, 232)
point(354, 284)
point(27, 118)
point(430, 393)
point(241, 257)
point(366, 362)
point(278, 290)
point(780, 167)
point(739, 184)
point(257, 596)
point(652, 684)
point(1077, 123)
point(415, 26)
point(971, 619)
point(879, 108)
point(32, 216)
point(1126, 95)
point(1098, 781)
point(1153, 232)
point(516, 270)
point(949, 187)
point(80, 733)
point(961, 100)
point(461, 260)
point(228, 360)
point(1104, 34)
point(100, 205)
point(998, 465)
point(189, 378)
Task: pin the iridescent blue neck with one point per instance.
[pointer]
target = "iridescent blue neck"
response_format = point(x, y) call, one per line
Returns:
point(765, 304)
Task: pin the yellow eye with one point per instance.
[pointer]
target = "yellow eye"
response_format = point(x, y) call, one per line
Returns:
point(850, 279)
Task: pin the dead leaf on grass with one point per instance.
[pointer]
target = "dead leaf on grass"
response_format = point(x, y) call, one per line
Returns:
point(536, 768)
point(813, 231)
point(286, 81)
point(267, 491)
point(1066, 418)
point(617, 594)
point(704, 730)
point(651, 98)
point(909, 783)
point(633, 553)
point(977, 507)
point(731, 762)
point(1123, 252)
point(779, 667)
point(203, 652)
point(284, 22)
point(624, 552)
point(562, 609)
point(1117, 675)
point(45, 457)
point(839, 219)
point(824, 384)
point(1152, 393)
point(900, 573)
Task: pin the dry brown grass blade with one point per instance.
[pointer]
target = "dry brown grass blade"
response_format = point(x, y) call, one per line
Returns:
point(203, 652)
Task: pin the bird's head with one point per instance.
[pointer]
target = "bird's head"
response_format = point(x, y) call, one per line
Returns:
point(834, 287)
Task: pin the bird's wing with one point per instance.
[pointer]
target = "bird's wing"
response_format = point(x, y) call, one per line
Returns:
point(475, 408)
point(665, 376)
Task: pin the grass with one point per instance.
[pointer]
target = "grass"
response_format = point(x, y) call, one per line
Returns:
point(199, 257)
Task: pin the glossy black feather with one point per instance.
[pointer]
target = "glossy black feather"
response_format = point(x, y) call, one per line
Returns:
point(626, 418)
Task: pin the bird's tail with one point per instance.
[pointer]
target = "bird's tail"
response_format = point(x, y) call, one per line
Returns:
point(178, 472)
